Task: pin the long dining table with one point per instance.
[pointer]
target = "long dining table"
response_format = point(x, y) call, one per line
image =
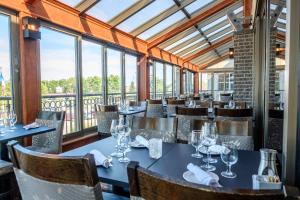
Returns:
point(173, 163)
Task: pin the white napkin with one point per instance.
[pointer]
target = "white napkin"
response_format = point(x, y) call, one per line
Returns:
point(100, 159)
point(32, 125)
point(142, 140)
point(202, 176)
point(216, 149)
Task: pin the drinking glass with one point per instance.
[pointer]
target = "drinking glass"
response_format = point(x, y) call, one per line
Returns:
point(12, 119)
point(124, 146)
point(229, 156)
point(196, 142)
point(155, 148)
point(114, 129)
point(211, 137)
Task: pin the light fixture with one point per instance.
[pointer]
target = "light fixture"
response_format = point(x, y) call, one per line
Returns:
point(31, 28)
point(231, 53)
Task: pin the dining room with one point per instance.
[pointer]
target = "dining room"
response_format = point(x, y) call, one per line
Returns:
point(149, 99)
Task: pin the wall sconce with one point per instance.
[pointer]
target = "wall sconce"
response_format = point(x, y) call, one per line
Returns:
point(31, 28)
point(150, 61)
point(231, 53)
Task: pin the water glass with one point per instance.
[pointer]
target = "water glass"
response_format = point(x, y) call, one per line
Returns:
point(229, 156)
point(196, 142)
point(124, 146)
point(155, 148)
point(114, 129)
point(12, 120)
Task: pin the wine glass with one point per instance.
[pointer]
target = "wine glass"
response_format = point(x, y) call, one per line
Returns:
point(196, 142)
point(114, 129)
point(229, 156)
point(124, 146)
point(12, 119)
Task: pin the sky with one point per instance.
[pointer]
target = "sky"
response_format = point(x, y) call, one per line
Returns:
point(4, 47)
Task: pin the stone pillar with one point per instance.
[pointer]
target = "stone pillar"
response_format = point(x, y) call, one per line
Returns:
point(244, 78)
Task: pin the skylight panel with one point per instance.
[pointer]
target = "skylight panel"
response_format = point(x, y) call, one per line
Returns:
point(221, 36)
point(105, 10)
point(146, 14)
point(281, 29)
point(214, 23)
point(200, 47)
point(182, 40)
point(281, 20)
point(189, 45)
point(162, 25)
point(218, 30)
point(197, 5)
point(240, 9)
point(71, 3)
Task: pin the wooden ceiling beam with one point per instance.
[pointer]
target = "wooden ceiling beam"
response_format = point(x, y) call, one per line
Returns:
point(85, 5)
point(129, 12)
point(210, 48)
point(280, 36)
point(247, 13)
point(195, 20)
point(210, 63)
point(29, 1)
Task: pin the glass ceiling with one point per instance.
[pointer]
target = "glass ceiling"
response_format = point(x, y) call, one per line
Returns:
point(155, 18)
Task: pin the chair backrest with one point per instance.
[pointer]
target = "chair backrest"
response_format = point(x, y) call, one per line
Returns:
point(175, 102)
point(240, 104)
point(239, 129)
point(172, 104)
point(104, 115)
point(51, 115)
point(45, 176)
point(234, 112)
point(164, 128)
point(203, 104)
point(50, 141)
point(155, 108)
point(185, 116)
point(150, 185)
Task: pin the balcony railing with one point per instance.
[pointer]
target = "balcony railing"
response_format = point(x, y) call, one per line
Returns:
point(6, 105)
point(67, 103)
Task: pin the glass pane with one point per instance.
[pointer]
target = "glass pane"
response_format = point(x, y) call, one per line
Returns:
point(206, 84)
point(145, 14)
point(105, 10)
point(169, 80)
point(114, 76)
point(162, 25)
point(5, 67)
point(214, 23)
point(58, 75)
point(218, 30)
point(182, 40)
point(189, 45)
point(151, 79)
point(197, 5)
point(159, 79)
point(91, 81)
point(131, 77)
point(71, 3)
point(176, 81)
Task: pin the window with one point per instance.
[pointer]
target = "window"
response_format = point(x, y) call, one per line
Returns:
point(176, 86)
point(58, 75)
point(91, 81)
point(159, 80)
point(169, 80)
point(114, 82)
point(189, 83)
point(131, 77)
point(6, 76)
point(206, 84)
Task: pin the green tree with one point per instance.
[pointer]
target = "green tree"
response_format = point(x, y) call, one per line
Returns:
point(114, 84)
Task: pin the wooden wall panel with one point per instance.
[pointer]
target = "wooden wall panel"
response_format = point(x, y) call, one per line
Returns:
point(143, 81)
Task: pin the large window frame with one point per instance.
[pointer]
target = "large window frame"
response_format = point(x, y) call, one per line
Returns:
point(14, 59)
point(79, 75)
point(152, 79)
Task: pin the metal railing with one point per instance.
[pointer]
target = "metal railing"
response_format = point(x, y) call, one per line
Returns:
point(67, 103)
point(6, 104)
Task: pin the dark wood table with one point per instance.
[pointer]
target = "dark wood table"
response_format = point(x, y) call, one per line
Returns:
point(172, 164)
point(7, 135)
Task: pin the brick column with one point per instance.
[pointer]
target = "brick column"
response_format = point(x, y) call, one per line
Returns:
point(272, 67)
point(244, 66)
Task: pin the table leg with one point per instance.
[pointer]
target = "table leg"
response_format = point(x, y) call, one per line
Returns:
point(4, 152)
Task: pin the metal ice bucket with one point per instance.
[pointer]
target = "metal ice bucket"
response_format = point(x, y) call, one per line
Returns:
point(267, 164)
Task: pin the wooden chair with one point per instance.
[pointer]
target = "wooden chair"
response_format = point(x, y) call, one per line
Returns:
point(50, 142)
point(105, 114)
point(139, 104)
point(45, 176)
point(150, 185)
point(225, 97)
point(275, 130)
point(155, 108)
point(184, 116)
point(172, 104)
point(203, 104)
point(8, 185)
point(239, 129)
point(164, 128)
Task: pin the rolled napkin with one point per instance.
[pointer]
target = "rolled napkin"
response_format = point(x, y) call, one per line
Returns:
point(216, 149)
point(100, 159)
point(32, 125)
point(202, 176)
point(142, 140)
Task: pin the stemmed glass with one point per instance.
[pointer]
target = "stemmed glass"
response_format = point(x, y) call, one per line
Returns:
point(12, 119)
point(196, 142)
point(124, 146)
point(114, 129)
point(229, 156)
point(209, 138)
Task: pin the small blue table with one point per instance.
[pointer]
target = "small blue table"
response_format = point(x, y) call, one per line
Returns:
point(19, 132)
